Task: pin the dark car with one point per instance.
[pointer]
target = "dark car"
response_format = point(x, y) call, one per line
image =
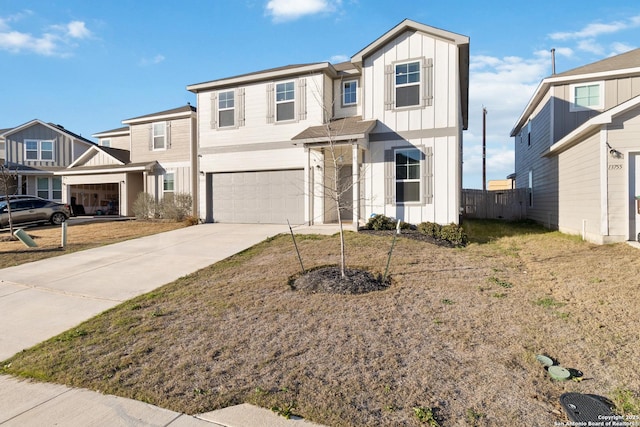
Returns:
point(33, 210)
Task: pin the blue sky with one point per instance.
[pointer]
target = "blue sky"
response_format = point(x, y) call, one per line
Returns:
point(89, 65)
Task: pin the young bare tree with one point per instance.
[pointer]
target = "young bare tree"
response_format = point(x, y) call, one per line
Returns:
point(7, 186)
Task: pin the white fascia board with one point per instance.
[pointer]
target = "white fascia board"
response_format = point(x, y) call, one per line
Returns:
point(110, 134)
point(408, 25)
point(595, 122)
point(544, 85)
point(163, 117)
point(263, 76)
point(101, 171)
point(87, 154)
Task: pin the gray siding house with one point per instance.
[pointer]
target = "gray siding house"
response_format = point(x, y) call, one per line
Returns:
point(577, 150)
point(36, 151)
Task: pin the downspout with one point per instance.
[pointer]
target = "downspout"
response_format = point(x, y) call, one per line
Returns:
point(604, 182)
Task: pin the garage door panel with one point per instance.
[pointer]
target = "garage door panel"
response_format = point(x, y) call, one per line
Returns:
point(259, 197)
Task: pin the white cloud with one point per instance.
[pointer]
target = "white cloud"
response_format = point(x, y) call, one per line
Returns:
point(597, 28)
point(618, 48)
point(591, 46)
point(289, 10)
point(57, 40)
point(144, 62)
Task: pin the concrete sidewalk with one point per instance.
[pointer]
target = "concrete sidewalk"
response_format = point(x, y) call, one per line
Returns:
point(44, 298)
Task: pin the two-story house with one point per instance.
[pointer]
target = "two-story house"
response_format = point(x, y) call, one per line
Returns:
point(577, 150)
point(384, 128)
point(153, 153)
point(35, 151)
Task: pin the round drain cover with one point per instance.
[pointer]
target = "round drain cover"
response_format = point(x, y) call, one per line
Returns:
point(559, 373)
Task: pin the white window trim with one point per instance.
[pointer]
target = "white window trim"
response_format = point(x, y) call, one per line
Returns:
point(227, 109)
point(164, 180)
point(153, 136)
point(573, 107)
point(39, 150)
point(419, 84)
point(350, 104)
point(294, 101)
point(418, 180)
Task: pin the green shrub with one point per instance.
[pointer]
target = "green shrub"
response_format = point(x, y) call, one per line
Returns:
point(430, 229)
point(454, 234)
point(381, 222)
point(145, 206)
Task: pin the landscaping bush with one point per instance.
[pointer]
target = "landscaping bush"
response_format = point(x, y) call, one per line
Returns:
point(381, 222)
point(452, 233)
point(430, 229)
point(175, 207)
point(145, 206)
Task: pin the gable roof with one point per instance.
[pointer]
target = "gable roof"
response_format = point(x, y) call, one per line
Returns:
point(269, 74)
point(408, 25)
point(625, 64)
point(122, 157)
point(121, 131)
point(183, 111)
point(52, 126)
point(592, 125)
point(337, 130)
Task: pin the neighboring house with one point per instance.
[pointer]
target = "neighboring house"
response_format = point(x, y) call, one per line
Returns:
point(35, 151)
point(152, 154)
point(394, 116)
point(577, 149)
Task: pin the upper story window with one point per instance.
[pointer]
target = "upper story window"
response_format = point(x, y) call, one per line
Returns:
point(105, 142)
point(407, 84)
point(350, 93)
point(285, 101)
point(587, 96)
point(159, 135)
point(407, 162)
point(226, 109)
point(38, 150)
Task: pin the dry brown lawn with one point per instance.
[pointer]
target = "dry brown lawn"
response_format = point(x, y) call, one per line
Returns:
point(79, 237)
point(457, 332)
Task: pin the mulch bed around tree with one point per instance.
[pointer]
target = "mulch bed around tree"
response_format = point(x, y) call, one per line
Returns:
point(329, 280)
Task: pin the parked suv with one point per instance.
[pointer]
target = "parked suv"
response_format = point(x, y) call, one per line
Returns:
point(33, 210)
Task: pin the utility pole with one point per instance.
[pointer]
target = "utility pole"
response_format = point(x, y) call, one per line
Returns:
point(484, 149)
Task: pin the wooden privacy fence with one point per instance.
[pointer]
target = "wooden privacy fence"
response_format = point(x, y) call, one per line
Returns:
point(499, 204)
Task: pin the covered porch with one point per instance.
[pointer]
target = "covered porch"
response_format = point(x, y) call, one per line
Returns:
point(334, 170)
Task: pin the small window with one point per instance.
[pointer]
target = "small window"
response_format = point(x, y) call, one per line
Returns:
point(105, 142)
point(407, 175)
point(43, 187)
point(46, 150)
point(587, 96)
point(285, 101)
point(407, 84)
point(226, 109)
point(56, 187)
point(169, 182)
point(159, 135)
point(31, 150)
point(350, 92)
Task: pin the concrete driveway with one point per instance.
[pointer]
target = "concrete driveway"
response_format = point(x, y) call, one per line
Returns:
point(41, 299)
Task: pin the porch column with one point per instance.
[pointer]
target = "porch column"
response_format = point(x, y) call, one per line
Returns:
point(355, 169)
point(308, 185)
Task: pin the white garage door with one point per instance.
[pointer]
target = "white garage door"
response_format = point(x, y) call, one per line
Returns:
point(268, 197)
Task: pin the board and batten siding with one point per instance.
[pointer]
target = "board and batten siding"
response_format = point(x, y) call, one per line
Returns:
point(443, 111)
point(65, 148)
point(101, 158)
point(579, 189)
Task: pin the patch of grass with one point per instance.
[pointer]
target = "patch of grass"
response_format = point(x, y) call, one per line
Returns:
point(627, 402)
point(426, 416)
point(487, 230)
point(447, 301)
point(500, 282)
point(499, 295)
point(548, 302)
point(473, 417)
